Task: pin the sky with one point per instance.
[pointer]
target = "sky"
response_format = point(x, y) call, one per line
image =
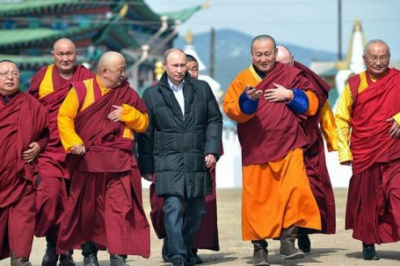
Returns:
point(307, 23)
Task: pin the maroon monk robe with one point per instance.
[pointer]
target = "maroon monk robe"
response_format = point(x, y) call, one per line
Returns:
point(373, 202)
point(314, 156)
point(104, 206)
point(52, 191)
point(275, 122)
point(23, 120)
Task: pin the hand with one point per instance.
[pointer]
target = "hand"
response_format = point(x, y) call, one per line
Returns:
point(78, 149)
point(278, 94)
point(30, 155)
point(148, 177)
point(116, 114)
point(210, 160)
point(252, 93)
point(395, 129)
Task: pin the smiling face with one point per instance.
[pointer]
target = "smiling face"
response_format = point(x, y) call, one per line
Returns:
point(263, 54)
point(377, 59)
point(9, 78)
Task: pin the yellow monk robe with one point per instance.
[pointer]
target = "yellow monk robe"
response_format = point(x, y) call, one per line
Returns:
point(133, 119)
point(343, 118)
point(328, 126)
point(277, 194)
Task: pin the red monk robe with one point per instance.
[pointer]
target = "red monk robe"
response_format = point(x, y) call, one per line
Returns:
point(314, 156)
point(23, 120)
point(51, 89)
point(373, 206)
point(105, 205)
point(276, 191)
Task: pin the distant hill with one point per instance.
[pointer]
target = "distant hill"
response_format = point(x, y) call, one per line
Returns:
point(233, 53)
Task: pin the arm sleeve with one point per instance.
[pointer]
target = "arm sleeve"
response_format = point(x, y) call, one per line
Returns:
point(146, 142)
point(214, 125)
point(304, 102)
point(328, 126)
point(65, 120)
point(343, 122)
point(134, 119)
point(230, 103)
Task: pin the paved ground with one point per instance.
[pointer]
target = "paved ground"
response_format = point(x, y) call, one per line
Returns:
point(339, 249)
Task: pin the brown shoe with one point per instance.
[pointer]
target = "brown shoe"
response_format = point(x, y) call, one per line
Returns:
point(288, 249)
point(18, 261)
point(260, 257)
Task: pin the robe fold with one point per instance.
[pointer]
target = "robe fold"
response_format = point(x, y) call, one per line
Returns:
point(105, 204)
point(314, 156)
point(51, 89)
point(23, 120)
point(276, 190)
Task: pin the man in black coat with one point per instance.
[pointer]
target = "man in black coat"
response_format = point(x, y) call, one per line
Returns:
point(182, 141)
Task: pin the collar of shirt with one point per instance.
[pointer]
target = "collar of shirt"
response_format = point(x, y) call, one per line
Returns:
point(6, 99)
point(176, 88)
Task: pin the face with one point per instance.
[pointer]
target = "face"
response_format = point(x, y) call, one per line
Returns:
point(264, 55)
point(175, 66)
point(9, 78)
point(377, 59)
point(115, 72)
point(64, 55)
point(193, 69)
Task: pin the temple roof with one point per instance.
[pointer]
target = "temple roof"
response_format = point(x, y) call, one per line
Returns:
point(51, 7)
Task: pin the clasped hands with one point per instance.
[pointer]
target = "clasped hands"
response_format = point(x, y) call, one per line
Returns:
point(277, 94)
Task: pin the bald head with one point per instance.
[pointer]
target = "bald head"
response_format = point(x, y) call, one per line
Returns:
point(284, 55)
point(111, 69)
point(64, 54)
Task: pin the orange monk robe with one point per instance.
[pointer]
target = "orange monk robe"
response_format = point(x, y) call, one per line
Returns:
point(277, 194)
point(112, 216)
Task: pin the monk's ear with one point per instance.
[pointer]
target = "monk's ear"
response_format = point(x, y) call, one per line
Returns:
point(104, 70)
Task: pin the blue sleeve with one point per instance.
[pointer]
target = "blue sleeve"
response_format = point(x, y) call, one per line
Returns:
point(247, 105)
point(299, 104)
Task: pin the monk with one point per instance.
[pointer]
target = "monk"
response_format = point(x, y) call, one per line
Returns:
point(51, 85)
point(368, 116)
point(23, 135)
point(207, 234)
point(270, 102)
point(314, 153)
point(97, 121)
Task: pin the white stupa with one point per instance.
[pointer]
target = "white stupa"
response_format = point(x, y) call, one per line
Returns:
point(189, 49)
point(354, 63)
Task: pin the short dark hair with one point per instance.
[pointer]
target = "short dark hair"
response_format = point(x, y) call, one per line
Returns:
point(191, 58)
point(260, 38)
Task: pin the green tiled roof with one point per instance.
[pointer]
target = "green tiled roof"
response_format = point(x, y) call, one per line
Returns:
point(182, 15)
point(32, 7)
point(26, 37)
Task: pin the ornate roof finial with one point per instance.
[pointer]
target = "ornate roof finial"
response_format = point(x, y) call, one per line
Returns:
point(357, 24)
point(206, 4)
point(189, 37)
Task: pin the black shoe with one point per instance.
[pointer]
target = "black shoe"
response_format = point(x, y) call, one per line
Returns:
point(369, 252)
point(118, 260)
point(304, 243)
point(178, 262)
point(67, 259)
point(196, 257)
point(50, 257)
point(90, 260)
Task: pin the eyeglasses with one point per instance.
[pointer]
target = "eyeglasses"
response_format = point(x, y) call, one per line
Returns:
point(14, 74)
point(374, 59)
